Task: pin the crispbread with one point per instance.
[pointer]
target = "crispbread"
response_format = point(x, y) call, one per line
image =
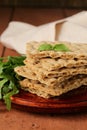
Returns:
point(25, 72)
point(50, 64)
point(49, 82)
point(43, 91)
point(77, 50)
point(52, 73)
point(43, 74)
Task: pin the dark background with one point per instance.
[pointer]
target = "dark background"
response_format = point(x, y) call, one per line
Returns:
point(44, 3)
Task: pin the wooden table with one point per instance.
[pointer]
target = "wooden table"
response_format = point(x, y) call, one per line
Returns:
point(17, 119)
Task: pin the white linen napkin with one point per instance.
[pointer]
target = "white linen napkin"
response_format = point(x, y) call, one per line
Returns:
point(71, 29)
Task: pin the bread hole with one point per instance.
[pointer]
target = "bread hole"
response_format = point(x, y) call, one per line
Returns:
point(56, 59)
point(75, 59)
point(34, 74)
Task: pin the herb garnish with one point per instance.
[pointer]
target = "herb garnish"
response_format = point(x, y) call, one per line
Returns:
point(9, 85)
point(56, 47)
point(61, 47)
point(45, 47)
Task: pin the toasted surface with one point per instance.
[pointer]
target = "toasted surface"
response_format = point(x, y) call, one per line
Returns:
point(50, 64)
point(53, 73)
point(43, 91)
point(39, 72)
point(77, 50)
point(51, 80)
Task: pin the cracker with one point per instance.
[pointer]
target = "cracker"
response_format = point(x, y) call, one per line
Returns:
point(52, 73)
point(43, 91)
point(50, 64)
point(43, 74)
point(77, 50)
point(49, 82)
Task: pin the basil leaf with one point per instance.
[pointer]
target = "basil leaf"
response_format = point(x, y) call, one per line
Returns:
point(61, 47)
point(56, 47)
point(45, 47)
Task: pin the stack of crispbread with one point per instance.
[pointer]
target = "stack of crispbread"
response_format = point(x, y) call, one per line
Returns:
point(52, 73)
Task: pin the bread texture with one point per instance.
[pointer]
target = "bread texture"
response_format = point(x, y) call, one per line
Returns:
point(77, 50)
point(53, 73)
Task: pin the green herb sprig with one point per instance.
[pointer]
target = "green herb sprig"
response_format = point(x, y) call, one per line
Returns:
point(56, 47)
point(9, 85)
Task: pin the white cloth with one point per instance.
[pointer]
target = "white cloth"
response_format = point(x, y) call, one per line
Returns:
point(71, 29)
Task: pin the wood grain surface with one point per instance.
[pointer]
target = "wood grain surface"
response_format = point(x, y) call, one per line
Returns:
point(71, 102)
point(18, 119)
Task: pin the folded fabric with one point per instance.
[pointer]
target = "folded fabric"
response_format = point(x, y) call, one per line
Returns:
point(71, 29)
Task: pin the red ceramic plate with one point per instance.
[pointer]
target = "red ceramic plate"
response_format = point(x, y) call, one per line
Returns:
point(65, 104)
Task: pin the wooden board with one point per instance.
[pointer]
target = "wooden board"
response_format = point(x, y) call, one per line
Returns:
point(5, 15)
point(37, 16)
point(73, 101)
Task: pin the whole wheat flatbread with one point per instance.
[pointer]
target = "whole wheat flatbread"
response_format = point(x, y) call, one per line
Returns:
point(43, 91)
point(43, 74)
point(53, 81)
point(77, 51)
point(50, 64)
point(51, 73)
